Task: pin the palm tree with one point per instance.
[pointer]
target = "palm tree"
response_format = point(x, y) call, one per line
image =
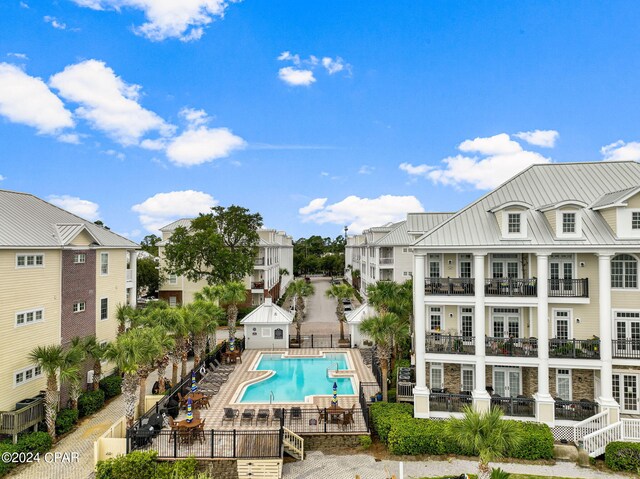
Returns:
point(157, 344)
point(72, 369)
point(124, 313)
point(355, 278)
point(231, 294)
point(340, 292)
point(299, 289)
point(208, 298)
point(53, 361)
point(383, 330)
point(175, 323)
point(382, 295)
point(489, 435)
point(97, 353)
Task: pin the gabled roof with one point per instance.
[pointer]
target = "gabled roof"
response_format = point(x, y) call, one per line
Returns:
point(540, 185)
point(184, 222)
point(268, 313)
point(360, 313)
point(27, 221)
point(615, 198)
point(423, 222)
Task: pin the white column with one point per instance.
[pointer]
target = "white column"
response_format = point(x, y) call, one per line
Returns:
point(545, 411)
point(420, 392)
point(133, 266)
point(606, 382)
point(481, 398)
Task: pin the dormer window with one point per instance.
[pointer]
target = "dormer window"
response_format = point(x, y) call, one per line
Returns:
point(568, 223)
point(514, 223)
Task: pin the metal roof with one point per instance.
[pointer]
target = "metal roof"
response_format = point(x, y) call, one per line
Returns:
point(423, 222)
point(611, 199)
point(361, 313)
point(540, 185)
point(184, 222)
point(268, 313)
point(27, 221)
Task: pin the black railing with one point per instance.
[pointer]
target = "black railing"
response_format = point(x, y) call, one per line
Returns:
point(626, 348)
point(518, 406)
point(445, 343)
point(350, 419)
point(510, 287)
point(404, 391)
point(449, 402)
point(575, 410)
point(574, 348)
point(520, 347)
point(449, 286)
point(257, 285)
point(369, 392)
point(258, 262)
point(319, 341)
point(569, 288)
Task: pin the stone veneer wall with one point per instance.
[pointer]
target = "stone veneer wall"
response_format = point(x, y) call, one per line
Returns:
point(330, 443)
point(227, 469)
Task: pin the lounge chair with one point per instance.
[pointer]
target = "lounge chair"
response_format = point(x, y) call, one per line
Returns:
point(248, 415)
point(263, 415)
point(230, 415)
point(278, 415)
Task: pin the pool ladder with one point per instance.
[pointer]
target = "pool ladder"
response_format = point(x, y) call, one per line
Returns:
point(272, 397)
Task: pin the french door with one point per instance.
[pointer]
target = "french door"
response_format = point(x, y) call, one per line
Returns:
point(507, 381)
point(562, 324)
point(506, 323)
point(625, 391)
point(505, 266)
point(561, 272)
point(627, 324)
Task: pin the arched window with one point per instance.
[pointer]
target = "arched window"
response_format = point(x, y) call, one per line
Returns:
point(624, 271)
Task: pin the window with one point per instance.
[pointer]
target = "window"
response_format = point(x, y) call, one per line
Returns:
point(278, 334)
point(435, 315)
point(434, 266)
point(464, 264)
point(26, 375)
point(104, 308)
point(624, 271)
point(569, 223)
point(467, 378)
point(635, 220)
point(29, 260)
point(563, 384)
point(104, 263)
point(173, 301)
point(79, 258)
point(173, 279)
point(28, 317)
point(436, 376)
point(562, 322)
point(79, 306)
point(466, 322)
point(513, 223)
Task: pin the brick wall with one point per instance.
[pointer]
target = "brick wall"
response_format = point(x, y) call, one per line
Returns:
point(529, 381)
point(452, 378)
point(78, 284)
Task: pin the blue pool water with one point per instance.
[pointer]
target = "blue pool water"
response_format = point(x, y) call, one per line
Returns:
point(296, 378)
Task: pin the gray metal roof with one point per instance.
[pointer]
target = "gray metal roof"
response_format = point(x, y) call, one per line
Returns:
point(268, 313)
point(184, 222)
point(540, 185)
point(616, 197)
point(27, 221)
point(423, 222)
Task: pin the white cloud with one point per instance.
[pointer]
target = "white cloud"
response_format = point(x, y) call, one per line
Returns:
point(83, 208)
point(2, 178)
point(163, 208)
point(287, 56)
point(72, 138)
point(24, 5)
point(184, 19)
point(621, 151)
point(295, 77)
point(20, 56)
point(55, 23)
point(27, 100)
point(334, 66)
point(116, 154)
point(194, 117)
point(107, 102)
point(499, 159)
point(366, 170)
point(201, 145)
point(544, 138)
point(314, 205)
point(360, 213)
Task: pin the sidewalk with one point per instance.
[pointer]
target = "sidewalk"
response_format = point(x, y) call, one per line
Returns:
point(316, 465)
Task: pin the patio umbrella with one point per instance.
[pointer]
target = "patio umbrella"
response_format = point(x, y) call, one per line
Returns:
point(189, 410)
point(194, 388)
point(334, 399)
point(232, 344)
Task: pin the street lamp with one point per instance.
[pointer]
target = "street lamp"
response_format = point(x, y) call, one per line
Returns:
point(346, 228)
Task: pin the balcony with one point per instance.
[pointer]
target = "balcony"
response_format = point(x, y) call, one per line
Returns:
point(447, 344)
point(386, 261)
point(441, 401)
point(258, 262)
point(520, 406)
point(575, 410)
point(626, 348)
point(569, 288)
point(574, 348)
point(449, 286)
point(257, 285)
point(514, 347)
point(510, 287)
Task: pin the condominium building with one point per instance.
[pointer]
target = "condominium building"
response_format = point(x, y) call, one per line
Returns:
point(62, 276)
point(275, 256)
point(529, 300)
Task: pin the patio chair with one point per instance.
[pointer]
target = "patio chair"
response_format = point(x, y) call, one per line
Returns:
point(230, 415)
point(263, 415)
point(199, 432)
point(248, 415)
point(278, 415)
point(322, 414)
point(295, 414)
point(347, 420)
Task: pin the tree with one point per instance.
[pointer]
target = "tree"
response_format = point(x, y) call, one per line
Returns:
point(231, 294)
point(489, 435)
point(124, 313)
point(147, 275)
point(383, 330)
point(97, 352)
point(382, 295)
point(299, 289)
point(219, 247)
point(150, 244)
point(72, 369)
point(53, 361)
point(206, 301)
point(175, 323)
point(340, 292)
point(157, 343)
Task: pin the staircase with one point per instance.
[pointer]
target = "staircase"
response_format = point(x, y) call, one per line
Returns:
point(293, 444)
point(262, 468)
point(595, 432)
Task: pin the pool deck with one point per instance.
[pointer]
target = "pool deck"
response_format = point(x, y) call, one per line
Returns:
point(241, 374)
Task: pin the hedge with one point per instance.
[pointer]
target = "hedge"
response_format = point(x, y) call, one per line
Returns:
point(7, 446)
point(111, 385)
point(384, 415)
point(31, 442)
point(90, 402)
point(536, 442)
point(143, 465)
point(65, 420)
point(623, 456)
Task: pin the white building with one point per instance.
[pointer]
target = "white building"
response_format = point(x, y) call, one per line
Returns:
point(267, 327)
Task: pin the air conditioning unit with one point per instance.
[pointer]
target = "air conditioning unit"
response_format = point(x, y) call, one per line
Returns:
point(90, 376)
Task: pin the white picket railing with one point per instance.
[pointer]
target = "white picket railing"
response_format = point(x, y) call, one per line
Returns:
point(631, 429)
point(596, 442)
point(591, 425)
point(293, 443)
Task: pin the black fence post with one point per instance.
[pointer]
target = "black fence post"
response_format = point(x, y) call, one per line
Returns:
point(234, 443)
point(326, 418)
point(282, 419)
point(127, 435)
point(331, 340)
point(212, 443)
point(312, 340)
point(175, 443)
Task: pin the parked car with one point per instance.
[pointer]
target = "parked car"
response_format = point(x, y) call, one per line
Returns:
point(348, 307)
point(336, 281)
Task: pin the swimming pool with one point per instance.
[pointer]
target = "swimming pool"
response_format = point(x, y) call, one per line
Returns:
point(296, 377)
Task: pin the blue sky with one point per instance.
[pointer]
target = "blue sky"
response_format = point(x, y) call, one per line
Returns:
point(316, 114)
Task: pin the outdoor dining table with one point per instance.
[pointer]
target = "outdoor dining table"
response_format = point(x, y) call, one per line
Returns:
point(194, 396)
point(184, 424)
point(335, 413)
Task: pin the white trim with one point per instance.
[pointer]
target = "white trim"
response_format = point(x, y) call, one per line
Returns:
point(506, 369)
point(433, 366)
point(472, 313)
point(84, 306)
point(78, 256)
point(506, 315)
point(637, 272)
point(560, 223)
point(23, 371)
point(523, 224)
point(25, 312)
point(25, 256)
point(458, 272)
point(467, 367)
point(264, 330)
point(554, 323)
point(570, 375)
point(100, 318)
point(100, 263)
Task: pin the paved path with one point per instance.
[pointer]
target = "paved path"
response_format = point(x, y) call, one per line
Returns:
point(321, 309)
point(317, 465)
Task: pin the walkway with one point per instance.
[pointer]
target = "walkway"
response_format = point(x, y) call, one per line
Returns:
point(321, 311)
point(316, 464)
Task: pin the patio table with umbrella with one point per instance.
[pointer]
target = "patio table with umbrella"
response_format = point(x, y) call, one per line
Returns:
point(335, 412)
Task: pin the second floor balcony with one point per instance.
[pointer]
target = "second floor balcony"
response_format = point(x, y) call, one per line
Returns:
point(257, 285)
point(386, 261)
point(507, 287)
point(574, 348)
point(258, 262)
point(626, 348)
point(448, 344)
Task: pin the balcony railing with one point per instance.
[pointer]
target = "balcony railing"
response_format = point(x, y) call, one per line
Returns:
point(520, 406)
point(386, 260)
point(447, 344)
point(449, 402)
point(518, 347)
point(257, 285)
point(575, 410)
point(510, 287)
point(569, 288)
point(449, 286)
point(626, 348)
point(258, 262)
point(574, 348)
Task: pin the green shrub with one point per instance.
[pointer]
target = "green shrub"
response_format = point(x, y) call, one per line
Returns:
point(10, 448)
point(623, 456)
point(35, 442)
point(65, 420)
point(111, 385)
point(499, 474)
point(383, 415)
point(536, 442)
point(186, 468)
point(136, 465)
point(391, 395)
point(411, 436)
point(365, 442)
point(90, 402)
